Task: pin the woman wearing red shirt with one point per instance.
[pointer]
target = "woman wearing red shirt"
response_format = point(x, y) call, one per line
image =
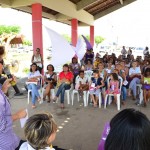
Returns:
point(65, 79)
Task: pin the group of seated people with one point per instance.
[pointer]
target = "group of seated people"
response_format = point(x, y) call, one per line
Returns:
point(132, 72)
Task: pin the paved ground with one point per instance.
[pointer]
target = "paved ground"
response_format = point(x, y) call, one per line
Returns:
point(79, 128)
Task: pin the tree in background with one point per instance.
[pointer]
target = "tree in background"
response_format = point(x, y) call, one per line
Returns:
point(7, 33)
point(27, 42)
point(67, 37)
point(98, 39)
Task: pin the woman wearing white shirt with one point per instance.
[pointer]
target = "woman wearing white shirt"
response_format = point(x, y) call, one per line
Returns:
point(37, 58)
point(34, 79)
point(134, 75)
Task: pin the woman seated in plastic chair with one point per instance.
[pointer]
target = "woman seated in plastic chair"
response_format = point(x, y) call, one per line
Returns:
point(134, 78)
point(50, 79)
point(34, 79)
point(65, 80)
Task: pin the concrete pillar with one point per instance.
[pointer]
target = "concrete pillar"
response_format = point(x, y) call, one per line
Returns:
point(37, 27)
point(74, 31)
point(92, 35)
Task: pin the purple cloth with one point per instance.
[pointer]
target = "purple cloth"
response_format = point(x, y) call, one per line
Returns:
point(88, 44)
point(104, 136)
point(146, 86)
point(8, 139)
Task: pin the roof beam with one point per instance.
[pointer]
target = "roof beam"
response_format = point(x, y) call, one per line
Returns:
point(110, 10)
point(62, 17)
point(84, 3)
point(121, 1)
point(21, 3)
point(5, 2)
point(71, 11)
point(29, 10)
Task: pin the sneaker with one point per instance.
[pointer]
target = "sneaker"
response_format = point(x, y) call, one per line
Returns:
point(18, 94)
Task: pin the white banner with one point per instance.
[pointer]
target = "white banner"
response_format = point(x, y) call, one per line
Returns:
point(80, 48)
point(62, 51)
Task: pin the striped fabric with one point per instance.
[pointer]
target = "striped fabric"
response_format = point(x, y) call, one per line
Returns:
point(8, 139)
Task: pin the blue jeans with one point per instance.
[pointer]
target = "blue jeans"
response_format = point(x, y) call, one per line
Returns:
point(34, 89)
point(61, 90)
point(133, 84)
point(124, 93)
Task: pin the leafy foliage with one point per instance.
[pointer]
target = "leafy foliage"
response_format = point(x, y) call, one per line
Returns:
point(27, 42)
point(9, 29)
point(67, 37)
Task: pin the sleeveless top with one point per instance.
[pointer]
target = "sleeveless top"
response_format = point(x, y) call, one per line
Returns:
point(37, 58)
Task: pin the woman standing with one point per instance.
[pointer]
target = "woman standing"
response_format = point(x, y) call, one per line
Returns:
point(65, 79)
point(37, 58)
point(34, 83)
point(75, 68)
point(8, 139)
point(51, 79)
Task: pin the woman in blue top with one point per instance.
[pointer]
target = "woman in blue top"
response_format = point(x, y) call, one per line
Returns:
point(95, 85)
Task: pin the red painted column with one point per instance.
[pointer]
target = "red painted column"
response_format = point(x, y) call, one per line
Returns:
point(74, 31)
point(37, 27)
point(92, 35)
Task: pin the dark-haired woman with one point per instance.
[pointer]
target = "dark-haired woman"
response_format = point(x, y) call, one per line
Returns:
point(88, 65)
point(34, 79)
point(50, 79)
point(75, 67)
point(64, 83)
point(129, 130)
point(37, 58)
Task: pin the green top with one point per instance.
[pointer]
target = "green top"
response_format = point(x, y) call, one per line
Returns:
point(147, 80)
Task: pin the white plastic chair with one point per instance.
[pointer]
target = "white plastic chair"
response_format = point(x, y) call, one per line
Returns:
point(39, 90)
point(84, 96)
point(118, 95)
point(99, 99)
point(140, 92)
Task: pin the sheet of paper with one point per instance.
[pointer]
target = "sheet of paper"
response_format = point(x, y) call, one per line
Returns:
point(23, 120)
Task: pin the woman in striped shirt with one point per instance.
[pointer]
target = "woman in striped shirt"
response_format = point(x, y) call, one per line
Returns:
point(8, 139)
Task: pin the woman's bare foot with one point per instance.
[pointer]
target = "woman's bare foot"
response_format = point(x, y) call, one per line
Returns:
point(129, 92)
point(33, 106)
point(39, 99)
point(62, 106)
point(54, 99)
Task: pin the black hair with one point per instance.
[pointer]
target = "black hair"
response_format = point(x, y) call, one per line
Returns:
point(88, 60)
point(33, 64)
point(146, 71)
point(96, 71)
point(66, 65)
point(129, 130)
point(2, 50)
point(74, 58)
point(37, 49)
point(81, 71)
point(50, 66)
point(115, 76)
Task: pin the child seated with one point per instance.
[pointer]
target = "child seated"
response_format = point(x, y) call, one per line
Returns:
point(40, 132)
point(113, 86)
point(96, 84)
point(146, 86)
point(81, 82)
